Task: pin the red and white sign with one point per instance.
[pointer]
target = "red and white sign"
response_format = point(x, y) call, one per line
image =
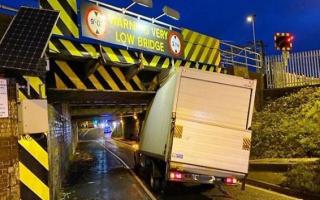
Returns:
point(96, 22)
point(175, 44)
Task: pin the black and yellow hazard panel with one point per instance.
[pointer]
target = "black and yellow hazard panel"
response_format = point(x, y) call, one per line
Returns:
point(34, 167)
point(201, 48)
point(36, 89)
point(33, 154)
point(69, 75)
point(67, 23)
point(246, 145)
point(204, 67)
point(71, 48)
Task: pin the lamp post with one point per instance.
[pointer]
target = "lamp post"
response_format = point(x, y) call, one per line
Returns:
point(251, 19)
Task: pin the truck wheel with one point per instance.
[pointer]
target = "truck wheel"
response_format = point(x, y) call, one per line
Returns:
point(154, 183)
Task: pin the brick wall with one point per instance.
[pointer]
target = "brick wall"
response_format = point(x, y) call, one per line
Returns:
point(9, 175)
point(62, 144)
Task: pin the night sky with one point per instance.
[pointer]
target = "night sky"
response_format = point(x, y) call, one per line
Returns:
point(226, 19)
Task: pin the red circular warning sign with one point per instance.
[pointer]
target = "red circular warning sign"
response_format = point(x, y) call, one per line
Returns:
point(95, 20)
point(175, 44)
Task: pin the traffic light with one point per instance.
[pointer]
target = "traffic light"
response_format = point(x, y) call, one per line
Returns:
point(283, 41)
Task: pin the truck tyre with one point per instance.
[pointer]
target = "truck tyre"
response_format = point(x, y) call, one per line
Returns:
point(154, 183)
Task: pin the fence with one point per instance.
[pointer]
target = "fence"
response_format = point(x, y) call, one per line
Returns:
point(301, 69)
point(232, 55)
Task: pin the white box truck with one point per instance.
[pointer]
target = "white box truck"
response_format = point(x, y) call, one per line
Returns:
point(197, 129)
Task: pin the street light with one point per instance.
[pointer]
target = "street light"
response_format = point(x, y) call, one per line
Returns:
point(251, 19)
point(145, 3)
point(167, 11)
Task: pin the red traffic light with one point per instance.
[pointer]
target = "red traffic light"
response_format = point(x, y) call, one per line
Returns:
point(283, 41)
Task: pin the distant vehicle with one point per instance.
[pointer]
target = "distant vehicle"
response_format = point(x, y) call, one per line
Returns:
point(107, 130)
point(197, 129)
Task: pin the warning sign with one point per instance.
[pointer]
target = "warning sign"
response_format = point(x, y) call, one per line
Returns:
point(3, 98)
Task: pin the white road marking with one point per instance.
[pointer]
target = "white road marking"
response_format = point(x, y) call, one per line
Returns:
point(149, 193)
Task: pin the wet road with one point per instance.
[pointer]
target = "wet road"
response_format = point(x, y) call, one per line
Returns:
point(98, 175)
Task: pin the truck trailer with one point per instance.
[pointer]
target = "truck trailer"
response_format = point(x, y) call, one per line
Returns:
point(197, 129)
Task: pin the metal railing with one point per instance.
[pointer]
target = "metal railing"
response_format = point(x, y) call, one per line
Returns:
point(301, 69)
point(232, 55)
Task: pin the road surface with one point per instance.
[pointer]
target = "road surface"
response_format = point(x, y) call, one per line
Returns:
point(102, 172)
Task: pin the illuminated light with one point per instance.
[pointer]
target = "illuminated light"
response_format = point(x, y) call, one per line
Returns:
point(102, 125)
point(250, 19)
point(230, 181)
point(172, 175)
point(135, 146)
point(121, 121)
point(114, 124)
point(178, 175)
point(135, 116)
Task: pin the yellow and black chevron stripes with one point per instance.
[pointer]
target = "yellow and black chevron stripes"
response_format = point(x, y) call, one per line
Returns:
point(69, 74)
point(204, 67)
point(201, 48)
point(69, 48)
point(67, 23)
point(34, 167)
point(246, 145)
point(36, 89)
point(33, 155)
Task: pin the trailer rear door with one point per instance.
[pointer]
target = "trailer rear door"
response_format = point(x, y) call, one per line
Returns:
point(213, 114)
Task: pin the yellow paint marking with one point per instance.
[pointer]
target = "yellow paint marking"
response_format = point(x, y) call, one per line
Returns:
point(111, 54)
point(56, 31)
point(37, 84)
point(33, 182)
point(218, 60)
point(106, 76)
point(53, 48)
point(177, 64)
point(193, 37)
point(144, 61)
point(59, 83)
point(187, 49)
point(210, 42)
point(202, 40)
point(22, 96)
point(95, 82)
point(187, 65)
point(138, 82)
point(154, 61)
point(65, 17)
point(204, 68)
point(71, 48)
point(204, 55)
point(36, 151)
point(73, 4)
point(70, 74)
point(211, 69)
point(214, 52)
point(91, 50)
point(185, 33)
point(195, 53)
point(123, 80)
point(166, 63)
point(127, 56)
